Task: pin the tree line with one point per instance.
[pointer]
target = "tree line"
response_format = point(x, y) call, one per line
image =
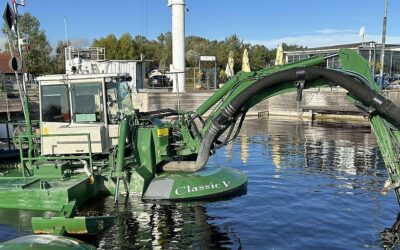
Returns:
point(40, 59)
point(160, 50)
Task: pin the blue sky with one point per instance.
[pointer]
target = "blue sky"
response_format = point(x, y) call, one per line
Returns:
point(305, 22)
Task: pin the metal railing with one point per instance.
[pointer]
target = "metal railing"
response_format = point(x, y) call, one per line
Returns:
point(62, 157)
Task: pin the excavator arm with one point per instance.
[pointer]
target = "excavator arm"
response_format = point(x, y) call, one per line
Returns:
point(229, 104)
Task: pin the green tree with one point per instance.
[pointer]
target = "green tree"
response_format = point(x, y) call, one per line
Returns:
point(195, 47)
point(232, 43)
point(110, 43)
point(37, 53)
point(59, 58)
point(222, 78)
point(292, 47)
point(141, 43)
point(164, 57)
point(160, 50)
point(259, 56)
point(126, 47)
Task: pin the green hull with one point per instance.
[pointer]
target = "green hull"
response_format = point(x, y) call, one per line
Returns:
point(205, 184)
point(45, 194)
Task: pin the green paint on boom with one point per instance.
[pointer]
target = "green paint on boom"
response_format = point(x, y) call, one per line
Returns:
point(387, 135)
point(246, 79)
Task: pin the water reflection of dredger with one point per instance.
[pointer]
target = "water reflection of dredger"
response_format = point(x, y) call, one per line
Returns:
point(167, 226)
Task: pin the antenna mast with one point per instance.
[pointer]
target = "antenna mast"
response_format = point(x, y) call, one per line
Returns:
point(383, 44)
point(65, 29)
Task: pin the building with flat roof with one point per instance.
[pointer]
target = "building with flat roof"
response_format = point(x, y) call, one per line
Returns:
point(93, 61)
point(371, 51)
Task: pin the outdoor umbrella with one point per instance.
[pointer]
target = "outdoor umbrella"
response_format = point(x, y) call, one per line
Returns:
point(279, 55)
point(246, 61)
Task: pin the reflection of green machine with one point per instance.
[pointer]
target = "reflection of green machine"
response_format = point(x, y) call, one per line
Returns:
point(92, 142)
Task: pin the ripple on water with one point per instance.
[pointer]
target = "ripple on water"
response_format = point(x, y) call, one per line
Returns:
point(310, 187)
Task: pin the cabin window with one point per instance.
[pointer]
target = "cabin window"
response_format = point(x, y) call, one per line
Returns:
point(87, 103)
point(118, 100)
point(55, 105)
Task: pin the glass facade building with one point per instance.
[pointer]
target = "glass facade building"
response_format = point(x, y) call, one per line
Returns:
point(371, 51)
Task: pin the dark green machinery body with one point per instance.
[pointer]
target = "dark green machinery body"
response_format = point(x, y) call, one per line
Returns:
point(162, 155)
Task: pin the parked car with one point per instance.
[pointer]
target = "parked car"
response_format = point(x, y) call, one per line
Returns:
point(156, 72)
point(160, 81)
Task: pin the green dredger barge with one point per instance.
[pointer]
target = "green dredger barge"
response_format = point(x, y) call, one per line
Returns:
point(93, 143)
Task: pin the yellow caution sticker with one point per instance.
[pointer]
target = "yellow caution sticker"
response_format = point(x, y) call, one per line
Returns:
point(161, 132)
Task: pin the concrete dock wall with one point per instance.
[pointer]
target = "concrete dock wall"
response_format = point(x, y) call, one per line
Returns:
point(326, 101)
point(315, 101)
point(393, 95)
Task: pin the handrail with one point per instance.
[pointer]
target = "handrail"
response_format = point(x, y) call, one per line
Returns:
point(64, 157)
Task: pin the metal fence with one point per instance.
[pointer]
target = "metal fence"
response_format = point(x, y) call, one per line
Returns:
point(196, 80)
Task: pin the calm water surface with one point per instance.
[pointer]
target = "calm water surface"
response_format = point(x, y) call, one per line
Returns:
point(311, 186)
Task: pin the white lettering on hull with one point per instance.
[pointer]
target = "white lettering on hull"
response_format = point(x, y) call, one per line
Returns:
point(199, 188)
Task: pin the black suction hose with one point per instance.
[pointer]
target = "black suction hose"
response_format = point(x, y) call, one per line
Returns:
point(366, 95)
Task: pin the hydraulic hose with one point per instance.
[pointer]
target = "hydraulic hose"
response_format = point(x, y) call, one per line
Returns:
point(366, 95)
